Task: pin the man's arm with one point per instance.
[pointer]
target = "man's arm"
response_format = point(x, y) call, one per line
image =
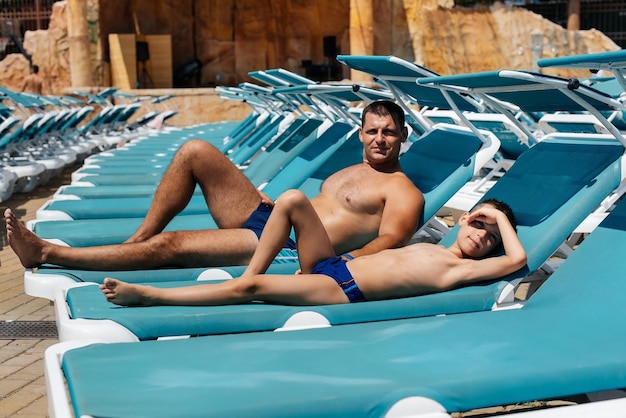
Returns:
point(404, 204)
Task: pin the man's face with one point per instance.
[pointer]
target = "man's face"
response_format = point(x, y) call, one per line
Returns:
point(381, 138)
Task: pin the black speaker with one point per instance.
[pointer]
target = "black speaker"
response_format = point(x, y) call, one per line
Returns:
point(143, 54)
point(330, 46)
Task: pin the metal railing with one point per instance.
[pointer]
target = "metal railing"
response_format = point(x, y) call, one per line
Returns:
point(18, 16)
point(609, 17)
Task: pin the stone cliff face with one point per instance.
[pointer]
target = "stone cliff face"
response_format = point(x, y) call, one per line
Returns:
point(451, 41)
point(231, 37)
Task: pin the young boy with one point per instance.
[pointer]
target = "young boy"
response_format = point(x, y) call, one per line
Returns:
point(327, 279)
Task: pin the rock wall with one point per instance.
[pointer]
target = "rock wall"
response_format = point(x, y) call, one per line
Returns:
point(461, 40)
point(49, 50)
point(232, 37)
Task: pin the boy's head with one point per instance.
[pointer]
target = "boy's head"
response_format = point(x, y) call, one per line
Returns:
point(479, 237)
point(502, 207)
point(35, 69)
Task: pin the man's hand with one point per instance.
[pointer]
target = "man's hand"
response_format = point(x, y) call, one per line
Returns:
point(265, 199)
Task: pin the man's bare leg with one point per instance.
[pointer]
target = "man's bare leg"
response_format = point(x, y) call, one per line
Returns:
point(172, 249)
point(230, 196)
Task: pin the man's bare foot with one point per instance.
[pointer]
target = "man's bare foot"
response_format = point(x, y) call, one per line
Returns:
point(28, 247)
point(124, 294)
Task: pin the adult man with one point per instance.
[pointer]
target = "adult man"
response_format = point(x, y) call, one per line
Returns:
point(364, 208)
point(33, 83)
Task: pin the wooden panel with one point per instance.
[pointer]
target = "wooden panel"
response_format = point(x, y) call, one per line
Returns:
point(123, 53)
point(159, 66)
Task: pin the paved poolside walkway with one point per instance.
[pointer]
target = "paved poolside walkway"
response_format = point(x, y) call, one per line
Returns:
point(22, 385)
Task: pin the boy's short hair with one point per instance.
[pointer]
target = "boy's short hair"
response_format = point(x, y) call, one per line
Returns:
point(502, 207)
point(385, 108)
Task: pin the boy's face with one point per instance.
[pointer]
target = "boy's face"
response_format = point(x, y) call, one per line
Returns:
point(477, 238)
point(381, 138)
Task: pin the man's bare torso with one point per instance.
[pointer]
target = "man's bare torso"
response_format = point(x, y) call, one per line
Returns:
point(351, 203)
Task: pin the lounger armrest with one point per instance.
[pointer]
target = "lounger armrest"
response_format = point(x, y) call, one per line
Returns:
point(44, 285)
point(74, 329)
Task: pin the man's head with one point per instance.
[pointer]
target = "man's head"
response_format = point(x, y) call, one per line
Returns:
point(382, 132)
point(35, 69)
point(479, 235)
point(385, 108)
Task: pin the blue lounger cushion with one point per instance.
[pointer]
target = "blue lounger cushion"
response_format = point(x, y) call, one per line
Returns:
point(88, 302)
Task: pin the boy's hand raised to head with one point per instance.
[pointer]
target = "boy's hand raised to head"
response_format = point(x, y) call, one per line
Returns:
point(486, 214)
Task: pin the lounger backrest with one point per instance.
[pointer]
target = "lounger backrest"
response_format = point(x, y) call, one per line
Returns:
point(553, 186)
point(398, 74)
point(311, 158)
point(440, 163)
point(266, 164)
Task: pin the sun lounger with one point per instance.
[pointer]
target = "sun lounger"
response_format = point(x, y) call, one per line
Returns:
point(564, 341)
point(279, 77)
point(528, 187)
point(7, 184)
point(613, 61)
point(17, 159)
point(437, 173)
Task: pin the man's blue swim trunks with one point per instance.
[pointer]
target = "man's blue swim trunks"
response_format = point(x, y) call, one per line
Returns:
point(256, 223)
point(336, 268)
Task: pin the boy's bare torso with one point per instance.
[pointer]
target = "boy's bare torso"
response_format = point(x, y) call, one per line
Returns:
point(351, 203)
point(408, 271)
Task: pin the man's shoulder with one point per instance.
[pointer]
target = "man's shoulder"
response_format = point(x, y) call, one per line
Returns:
point(402, 187)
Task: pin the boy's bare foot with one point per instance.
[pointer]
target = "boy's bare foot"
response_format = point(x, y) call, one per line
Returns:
point(28, 247)
point(124, 294)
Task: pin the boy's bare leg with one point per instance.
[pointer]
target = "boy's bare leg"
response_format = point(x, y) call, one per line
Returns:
point(292, 209)
point(303, 289)
point(173, 249)
point(230, 196)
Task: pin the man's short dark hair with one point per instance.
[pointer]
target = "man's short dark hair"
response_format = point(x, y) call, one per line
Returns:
point(502, 207)
point(35, 69)
point(385, 108)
